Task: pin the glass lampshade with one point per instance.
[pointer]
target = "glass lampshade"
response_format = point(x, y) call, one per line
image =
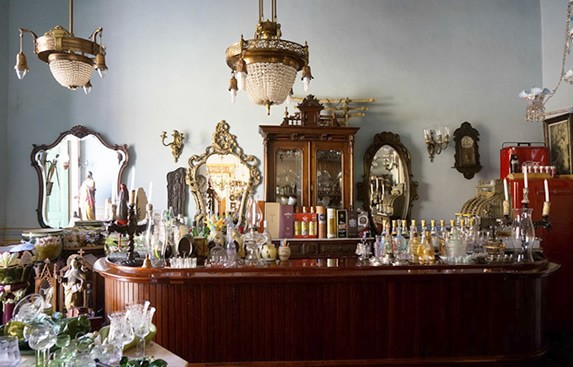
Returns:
point(269, 82)
point(70, 73)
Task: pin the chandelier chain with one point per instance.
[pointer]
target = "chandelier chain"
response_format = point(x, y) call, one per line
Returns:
point(566, 51)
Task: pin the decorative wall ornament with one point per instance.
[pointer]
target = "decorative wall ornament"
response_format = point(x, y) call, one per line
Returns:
point(343, 109)
point(176, 191)
point(227, 159)
point(436, 141)
point(467, 150)
point(176, 145)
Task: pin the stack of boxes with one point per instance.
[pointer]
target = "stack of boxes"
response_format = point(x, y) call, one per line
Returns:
point(287, 221)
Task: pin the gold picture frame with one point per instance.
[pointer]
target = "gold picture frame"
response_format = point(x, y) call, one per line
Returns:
point(557, 132)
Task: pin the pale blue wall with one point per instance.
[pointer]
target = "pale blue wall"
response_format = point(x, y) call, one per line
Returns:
point(3, 105)
point(428, 63)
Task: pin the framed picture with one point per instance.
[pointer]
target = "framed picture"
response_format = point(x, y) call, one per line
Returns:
point(557, 132)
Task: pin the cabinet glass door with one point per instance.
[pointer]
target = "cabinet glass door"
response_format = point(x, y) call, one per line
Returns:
point(288, 163)
point(328, 173)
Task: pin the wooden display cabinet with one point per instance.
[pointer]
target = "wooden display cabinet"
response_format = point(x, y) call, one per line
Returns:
point(309, 158)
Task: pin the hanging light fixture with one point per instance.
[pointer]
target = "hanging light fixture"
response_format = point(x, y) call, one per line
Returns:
point(71, 59)
point(536, 97)
point(266, 66)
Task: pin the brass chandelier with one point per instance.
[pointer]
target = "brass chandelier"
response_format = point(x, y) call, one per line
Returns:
point(266, 66)
point(71, 59)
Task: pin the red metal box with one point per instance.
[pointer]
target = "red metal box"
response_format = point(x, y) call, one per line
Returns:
point(526, 152)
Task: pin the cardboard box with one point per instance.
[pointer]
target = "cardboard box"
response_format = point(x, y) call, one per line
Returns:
point(280, 220)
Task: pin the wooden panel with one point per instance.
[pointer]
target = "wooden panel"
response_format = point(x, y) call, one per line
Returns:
point(306, 312)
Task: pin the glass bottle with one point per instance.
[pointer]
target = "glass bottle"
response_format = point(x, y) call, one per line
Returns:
point(400, 247)
point(434, 238)
point(230, 248)
point(268, 251)
point(388, 250)
point(455, 249)
point(414, 242)
point(443, 234)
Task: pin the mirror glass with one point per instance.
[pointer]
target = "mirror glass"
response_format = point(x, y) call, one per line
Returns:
point(77, 174)
point(388, 189)
point(329, 178)
point(288, 163)
point(222, 178)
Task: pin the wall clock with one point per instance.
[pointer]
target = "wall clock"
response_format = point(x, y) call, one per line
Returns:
point(467, 152)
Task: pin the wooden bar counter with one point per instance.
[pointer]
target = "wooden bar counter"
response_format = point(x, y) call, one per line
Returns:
point(307, 313)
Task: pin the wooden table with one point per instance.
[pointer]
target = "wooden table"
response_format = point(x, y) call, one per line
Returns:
point(305, 313)
point(152, 349)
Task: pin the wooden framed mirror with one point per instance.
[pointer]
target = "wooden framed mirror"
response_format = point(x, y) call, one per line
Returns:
point(76, 174)
point(388, 188)
point(222, 178)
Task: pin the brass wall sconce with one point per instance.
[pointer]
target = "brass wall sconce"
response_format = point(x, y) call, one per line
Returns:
point(436, 141)
point(176, 145)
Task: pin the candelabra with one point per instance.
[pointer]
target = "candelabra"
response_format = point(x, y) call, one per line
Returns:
point(131, 229)
point(436, 141)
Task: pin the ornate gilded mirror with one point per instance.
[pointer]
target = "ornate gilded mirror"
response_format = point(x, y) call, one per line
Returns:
point(222, 178)
point(387, 190)
point(77, 173)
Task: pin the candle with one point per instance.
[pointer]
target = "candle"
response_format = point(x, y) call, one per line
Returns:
point(132, 197)
point(132, 186)
point(546, 184)
point(505, 191)
point(150, 191)
point(524, 168)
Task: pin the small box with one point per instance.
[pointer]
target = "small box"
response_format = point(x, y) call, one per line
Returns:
point(342, 223)
point(304, 219)
point(352, 224)
point(280, 219)
point(286, 227)
point(273, 218)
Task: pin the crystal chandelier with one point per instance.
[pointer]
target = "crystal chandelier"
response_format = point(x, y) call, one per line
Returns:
point(536, 97)
point(71, 59)
point(266, 66)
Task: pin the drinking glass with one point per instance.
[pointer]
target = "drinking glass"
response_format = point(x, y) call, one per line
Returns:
point(41, 336)
point(9, 351)
point(120, 330)
point(140, 316)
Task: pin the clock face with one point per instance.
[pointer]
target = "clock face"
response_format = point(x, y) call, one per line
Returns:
point(467, 142)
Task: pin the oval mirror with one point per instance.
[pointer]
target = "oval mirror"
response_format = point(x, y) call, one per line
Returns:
point(77, 174)
point(222, 178)
point(387, 190)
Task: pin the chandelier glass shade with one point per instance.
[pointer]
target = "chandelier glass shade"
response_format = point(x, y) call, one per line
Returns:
point(71, 59)
point(266, 66)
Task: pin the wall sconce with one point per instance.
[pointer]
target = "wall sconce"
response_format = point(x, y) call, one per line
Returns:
point(176, 144)
point(436, 141)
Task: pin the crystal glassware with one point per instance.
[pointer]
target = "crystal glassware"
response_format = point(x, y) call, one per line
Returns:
point(140, 316)
point(9, 351)
point(120, 329)
point(41, 335)
point(523, 233)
